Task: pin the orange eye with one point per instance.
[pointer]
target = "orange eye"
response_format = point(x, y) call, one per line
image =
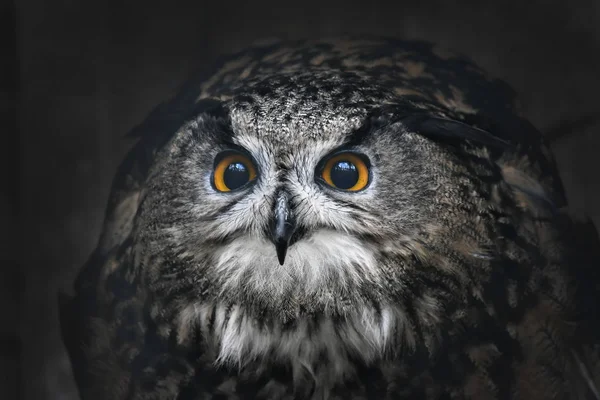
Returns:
point(232, 172)
point(346, 171)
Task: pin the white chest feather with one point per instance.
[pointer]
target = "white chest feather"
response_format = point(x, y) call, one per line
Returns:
point(239, 340)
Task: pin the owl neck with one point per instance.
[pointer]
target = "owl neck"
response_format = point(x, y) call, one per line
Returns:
point(238, 337)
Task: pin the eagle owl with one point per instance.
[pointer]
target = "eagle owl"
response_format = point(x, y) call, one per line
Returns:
point(338, 219)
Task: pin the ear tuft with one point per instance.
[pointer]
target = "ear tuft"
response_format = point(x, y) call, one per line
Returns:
point(443, 128)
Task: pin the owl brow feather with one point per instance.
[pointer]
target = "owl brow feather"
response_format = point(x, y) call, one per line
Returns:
point(426, 124)
point(445, 128)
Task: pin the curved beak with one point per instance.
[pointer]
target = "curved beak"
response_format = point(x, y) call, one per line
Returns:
point(283, 227)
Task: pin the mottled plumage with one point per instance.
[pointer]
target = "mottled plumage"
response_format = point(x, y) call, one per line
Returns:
point(457, 273)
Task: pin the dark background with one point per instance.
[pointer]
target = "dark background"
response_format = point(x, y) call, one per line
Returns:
point(75, 76)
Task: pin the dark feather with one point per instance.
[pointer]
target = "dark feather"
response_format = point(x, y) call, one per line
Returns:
point(440, 128)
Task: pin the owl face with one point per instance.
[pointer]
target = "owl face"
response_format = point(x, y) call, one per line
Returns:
point(290, 199)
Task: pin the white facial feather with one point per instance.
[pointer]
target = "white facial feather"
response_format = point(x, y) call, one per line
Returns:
point(311, 265)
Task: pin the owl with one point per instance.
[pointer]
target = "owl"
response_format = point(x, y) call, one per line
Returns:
point(357, 218)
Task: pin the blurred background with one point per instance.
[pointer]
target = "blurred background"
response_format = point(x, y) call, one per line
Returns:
point(75, 76)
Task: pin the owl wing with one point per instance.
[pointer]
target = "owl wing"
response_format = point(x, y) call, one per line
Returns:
point(87, 322)
point(569, 366)
point(561, 332)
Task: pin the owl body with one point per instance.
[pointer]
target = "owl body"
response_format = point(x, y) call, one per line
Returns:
point(344, 219)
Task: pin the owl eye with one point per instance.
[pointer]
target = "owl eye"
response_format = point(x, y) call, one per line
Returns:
point(346, 171)
point(232, 171)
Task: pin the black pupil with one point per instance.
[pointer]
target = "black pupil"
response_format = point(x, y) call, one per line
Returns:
point(344, 174)
point(236, 175)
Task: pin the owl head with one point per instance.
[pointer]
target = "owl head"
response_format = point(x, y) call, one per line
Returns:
point(313, 192)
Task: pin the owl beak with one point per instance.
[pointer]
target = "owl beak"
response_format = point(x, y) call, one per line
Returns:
point(283, 228)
